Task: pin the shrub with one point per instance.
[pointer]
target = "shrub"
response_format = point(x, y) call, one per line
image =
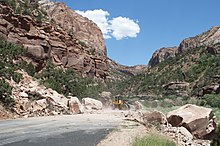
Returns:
point(216, 140)
point(212, 100)
point(67, 82)
point(5, 94)
point(153, 140)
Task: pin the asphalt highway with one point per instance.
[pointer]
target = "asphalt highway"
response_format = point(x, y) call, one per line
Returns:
point(74, 130)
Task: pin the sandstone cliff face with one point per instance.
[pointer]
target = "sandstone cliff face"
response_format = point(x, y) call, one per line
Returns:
point(86, 53)
point(209, 38)
point(81, 27)
point(161, 55)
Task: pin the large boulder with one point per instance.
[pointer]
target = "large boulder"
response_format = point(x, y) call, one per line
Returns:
point(75, 106)
point(90, 103)
point(154, 117)
point(106, 98)
point(56, 98)
point(147, 117)
point(200, 121)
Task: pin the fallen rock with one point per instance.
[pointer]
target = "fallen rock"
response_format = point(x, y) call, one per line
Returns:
point(146, 117)
point(138, 105)
point(199, 121)
point(57, 98)
point(106, 98)
point(183, 131)
point(42, 103)
point(179, 134)
point(90, 103)
point(23, 94)
point(36, 99)
point(75, 106)
point(154, 117)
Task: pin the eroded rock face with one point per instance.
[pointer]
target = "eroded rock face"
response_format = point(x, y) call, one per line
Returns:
point(161, 55)
point(81, 27)
point(200, 121)
point(207, 38)
point(176, 88)
point(209, 89)
point(84, 50)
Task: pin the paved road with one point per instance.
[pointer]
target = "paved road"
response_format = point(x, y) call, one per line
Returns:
point(77, 130)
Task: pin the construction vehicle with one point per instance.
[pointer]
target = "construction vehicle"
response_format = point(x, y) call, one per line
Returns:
point(119, 103)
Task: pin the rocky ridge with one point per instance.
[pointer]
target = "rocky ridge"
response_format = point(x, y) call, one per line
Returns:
point(208, 38)
point(51, 41)
point(119, 72)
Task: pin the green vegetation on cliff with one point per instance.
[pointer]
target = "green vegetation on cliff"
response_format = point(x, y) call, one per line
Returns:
point(197, 67)
point(64, 81)
point(67, 82)
point(27, 7)
point(9, 64)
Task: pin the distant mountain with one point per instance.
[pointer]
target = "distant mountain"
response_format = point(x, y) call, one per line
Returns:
point(208, 38)
point(191, 69)
point(118, 72)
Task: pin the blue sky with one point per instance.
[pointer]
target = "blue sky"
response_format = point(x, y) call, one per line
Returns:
point(162, 23)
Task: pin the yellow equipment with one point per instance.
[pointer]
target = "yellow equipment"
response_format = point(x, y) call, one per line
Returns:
point(119, 103)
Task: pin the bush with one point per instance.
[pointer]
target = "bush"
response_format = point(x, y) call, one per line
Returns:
point(27, 7)
point(216, 140)
point(67, 82)
point(212, 100)
point(5, 94)
point(8, 54)
point(153, 140)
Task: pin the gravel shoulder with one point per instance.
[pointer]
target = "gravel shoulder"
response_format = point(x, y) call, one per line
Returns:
point(124, 134)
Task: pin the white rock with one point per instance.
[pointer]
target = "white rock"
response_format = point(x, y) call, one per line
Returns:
point(185, 133)
point(42, 103)
point(91, 103)
point(75, 105)
point(23, 94)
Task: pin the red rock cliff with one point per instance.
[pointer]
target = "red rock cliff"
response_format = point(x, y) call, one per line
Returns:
point(70, 40)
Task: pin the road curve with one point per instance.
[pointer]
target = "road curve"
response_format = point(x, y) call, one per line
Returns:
point(71, 130)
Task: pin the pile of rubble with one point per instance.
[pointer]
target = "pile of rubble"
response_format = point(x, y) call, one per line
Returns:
point(33, 99)
point(190, 125)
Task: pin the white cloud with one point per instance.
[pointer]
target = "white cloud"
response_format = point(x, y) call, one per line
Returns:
point(123, 27)
point(119, 27)
point(100, 17)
